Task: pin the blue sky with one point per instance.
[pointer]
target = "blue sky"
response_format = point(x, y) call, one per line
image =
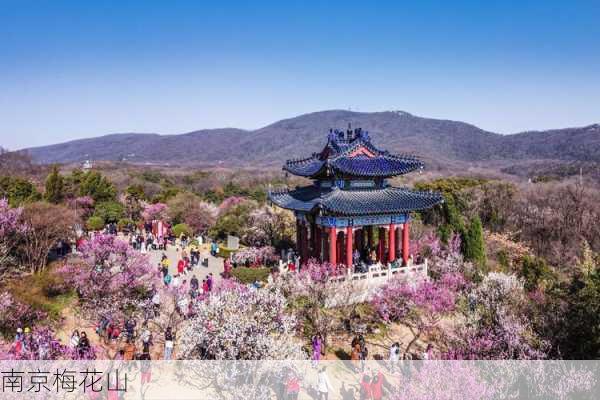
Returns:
point(74, 69)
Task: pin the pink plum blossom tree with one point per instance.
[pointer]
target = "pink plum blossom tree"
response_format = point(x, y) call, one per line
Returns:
point(319, 296)
point(111, 278)
point(419, 305)
point(157, 211)
point(269, 227)
point(10, 229)
point(438, 380)
point(237, 323)
point(14, 314)
point(497, 326)
point(230, 203)
point(255, 256)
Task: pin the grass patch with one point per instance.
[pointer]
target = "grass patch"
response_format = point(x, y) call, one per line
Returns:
point(251, 275)
point(45, 291)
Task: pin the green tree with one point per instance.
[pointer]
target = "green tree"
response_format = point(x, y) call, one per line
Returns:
point(97, 186)
point(109, 211)
point(535, 271)
point(582, 318)
point(95, 223)
point(54, 186)
point(136, 192)
point(180, 229)
point(233, 222)
point(18, 190)
point(473, 243)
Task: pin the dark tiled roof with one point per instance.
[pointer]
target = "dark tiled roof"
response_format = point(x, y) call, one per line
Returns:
point(305, 167)
point(377, 166)
point(355, 202)
point(338, 156)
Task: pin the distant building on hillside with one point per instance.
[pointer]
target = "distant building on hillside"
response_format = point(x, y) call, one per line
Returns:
point(87, 165)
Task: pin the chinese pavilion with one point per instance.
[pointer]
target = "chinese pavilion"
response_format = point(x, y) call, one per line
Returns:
point(350, 199)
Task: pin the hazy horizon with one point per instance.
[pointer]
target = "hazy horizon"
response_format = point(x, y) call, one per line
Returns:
point(71, 70)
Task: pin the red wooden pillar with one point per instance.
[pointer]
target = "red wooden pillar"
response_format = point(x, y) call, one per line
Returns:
point(392, 243)
point(381, 245)
point(405, 241)
point(313, 240)
point(304, 247)
point(325, 245)
point(298, 237)
point(349, 240)
point(318, 243)
point(332, 245)
point(340, 247)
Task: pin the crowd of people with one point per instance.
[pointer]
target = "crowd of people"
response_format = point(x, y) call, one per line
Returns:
point(132, 338)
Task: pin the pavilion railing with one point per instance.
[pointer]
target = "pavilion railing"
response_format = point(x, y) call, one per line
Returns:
point(380, 272)
point(385, 272)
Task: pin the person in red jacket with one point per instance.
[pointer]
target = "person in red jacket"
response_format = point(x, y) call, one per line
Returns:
point(365, 388)
point(377, 386)
point(292, 387)
point(180, 267)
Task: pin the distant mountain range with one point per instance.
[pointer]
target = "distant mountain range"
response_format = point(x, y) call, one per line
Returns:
point(437, 142)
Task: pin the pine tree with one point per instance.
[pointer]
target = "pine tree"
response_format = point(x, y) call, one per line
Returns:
point(54, 187)
point(473, 243)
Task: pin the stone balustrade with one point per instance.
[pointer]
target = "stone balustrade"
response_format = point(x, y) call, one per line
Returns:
point(378, 273)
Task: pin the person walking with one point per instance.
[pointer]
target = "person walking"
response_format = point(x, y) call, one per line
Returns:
point(129, 350)
point(169, 343)
point(145, 369)
point(209, 281)
point(74, 339)
point(323, 384)
point(366, 388)
point(156, 303)
point(355, 357)
point(194, 284)
point(426, 355)
point(83, 347)
point(317, 344)
point(377, 386)
point(292, 386)
point(167, 279)
point(394, 357)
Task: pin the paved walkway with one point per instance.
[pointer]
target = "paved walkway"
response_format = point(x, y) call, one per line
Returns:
point(215, 264)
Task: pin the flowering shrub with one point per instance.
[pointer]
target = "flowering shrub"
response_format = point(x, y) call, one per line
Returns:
point(255, 255)
point(153, 212)
point(419, 305)
point(317, 297)
point(269, 226)
point(14, 314)
point(230, 203)
point(10, 229)
point(111, 277)
point(497, 327)
point(398, 298)
point(236, 323)
point(431, 382)
point(84, 205)
point(9, 219)
point(201, 216)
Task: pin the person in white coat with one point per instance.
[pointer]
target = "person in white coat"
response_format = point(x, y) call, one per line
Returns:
point(323, 384)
